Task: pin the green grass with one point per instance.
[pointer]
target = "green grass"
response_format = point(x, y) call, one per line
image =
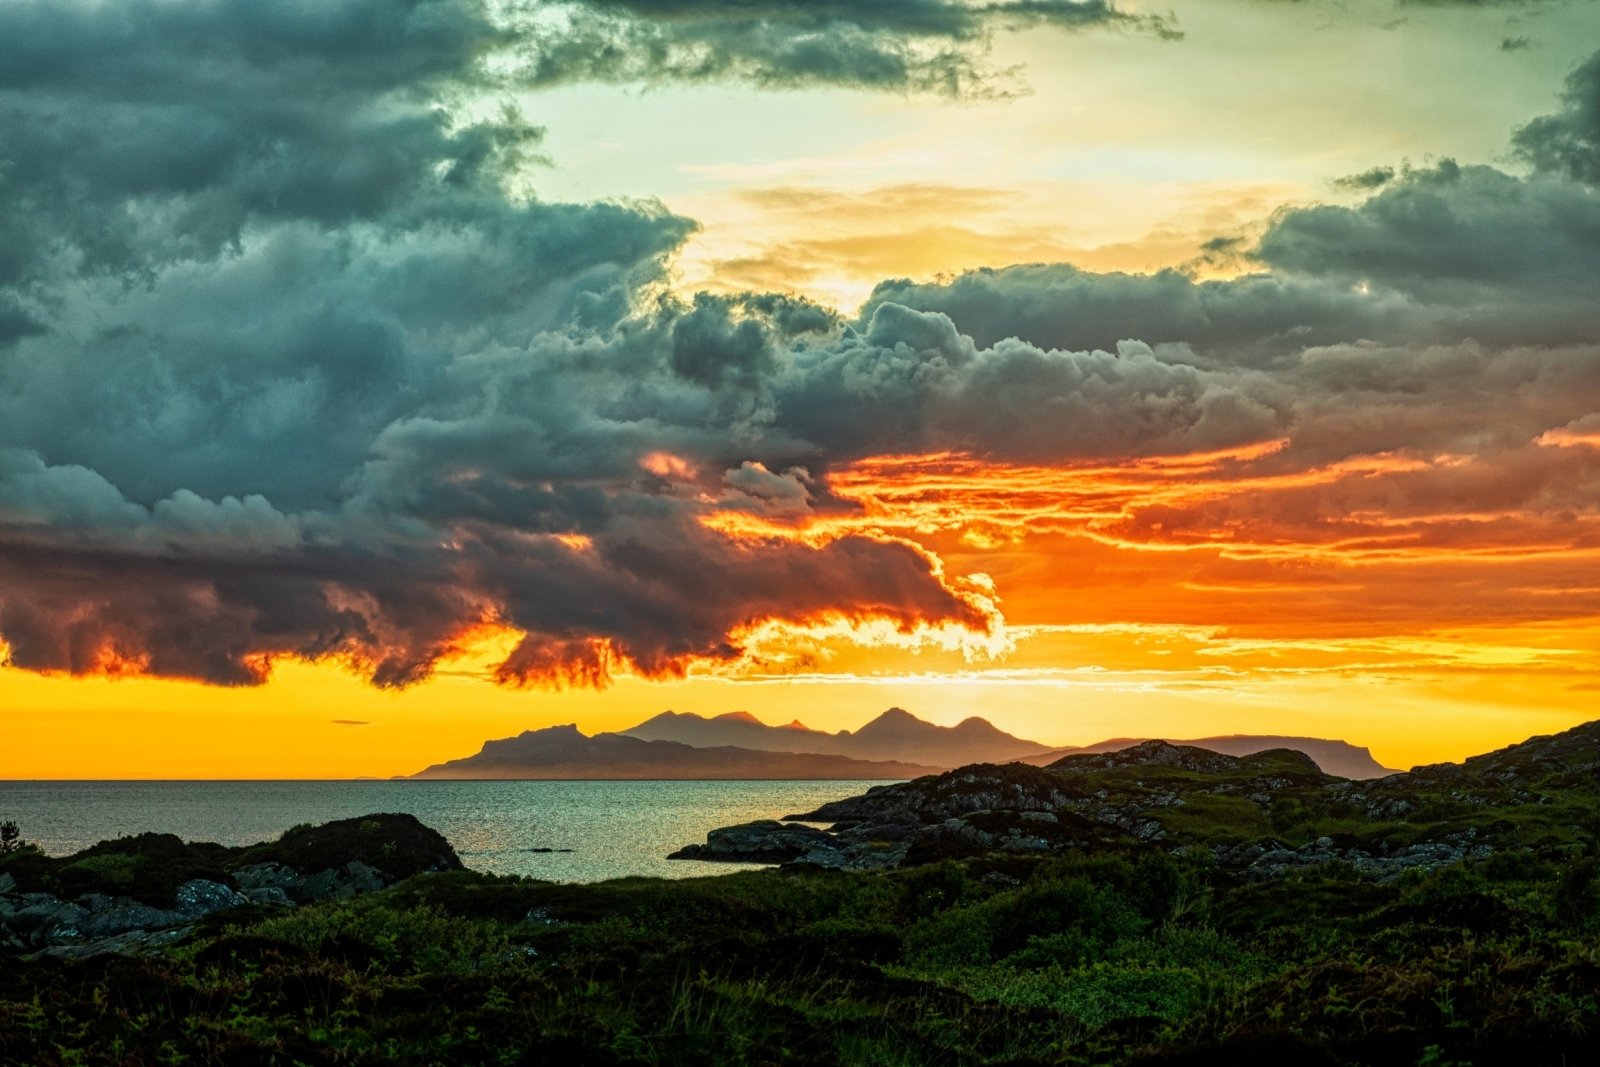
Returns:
point(1084, 960)
point(1215, 820)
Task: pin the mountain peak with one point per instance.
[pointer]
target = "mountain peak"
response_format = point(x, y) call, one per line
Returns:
point(795, 725)
point(737, 716)
point(976, 724)
point(565, 730)
point(895, 722)
point(668, 716)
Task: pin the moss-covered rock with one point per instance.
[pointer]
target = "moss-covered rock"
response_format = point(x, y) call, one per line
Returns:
point(395, 845)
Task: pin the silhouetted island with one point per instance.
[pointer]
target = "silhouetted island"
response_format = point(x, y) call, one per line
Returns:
point(737, 745)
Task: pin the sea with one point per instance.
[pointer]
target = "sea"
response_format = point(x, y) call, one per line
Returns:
point(559, 831)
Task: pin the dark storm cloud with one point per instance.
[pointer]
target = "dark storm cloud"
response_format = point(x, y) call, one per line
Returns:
point(902, 45)
point(1568, 142)
point(289, 368)
point(142, 133)
point(266, 379)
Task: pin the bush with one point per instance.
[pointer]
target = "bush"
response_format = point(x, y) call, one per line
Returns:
point(1089, 912)
point(1577, 896)
point(112, 872)
point(11, 839)
point(934, 888)
point(394, 940)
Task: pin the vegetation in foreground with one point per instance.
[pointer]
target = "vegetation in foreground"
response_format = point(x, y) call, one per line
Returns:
point(1126, 951)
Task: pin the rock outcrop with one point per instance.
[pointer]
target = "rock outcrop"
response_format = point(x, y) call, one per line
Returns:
point(137, 893)
point(763, 841)
point(1260, 816)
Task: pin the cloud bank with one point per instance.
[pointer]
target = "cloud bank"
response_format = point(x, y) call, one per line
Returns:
point(288, 370)
point(933, 46)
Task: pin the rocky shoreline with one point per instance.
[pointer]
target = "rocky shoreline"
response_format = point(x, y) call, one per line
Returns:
point(1235, 809)
point(137, 894)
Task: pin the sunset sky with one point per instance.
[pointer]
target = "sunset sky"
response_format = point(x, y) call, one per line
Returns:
point(382, 376)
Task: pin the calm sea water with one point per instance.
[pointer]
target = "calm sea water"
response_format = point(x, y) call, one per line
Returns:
point(614, 829)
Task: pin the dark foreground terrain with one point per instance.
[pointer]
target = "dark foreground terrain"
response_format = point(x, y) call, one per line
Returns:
point(1161, 905)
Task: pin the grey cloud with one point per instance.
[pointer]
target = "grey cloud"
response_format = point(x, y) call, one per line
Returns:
point(150, 132)
point(1451, 236)
point(1437, 254)
point(1568, 142)
point(1060, 306)
point(1374, 178)
point(937, 46)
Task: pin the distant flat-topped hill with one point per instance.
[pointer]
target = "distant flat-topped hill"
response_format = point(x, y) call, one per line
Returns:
point(1333, 757)
point(563, 752)
point(894, 735)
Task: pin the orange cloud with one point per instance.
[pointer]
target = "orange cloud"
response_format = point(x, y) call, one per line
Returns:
point(1244, 538)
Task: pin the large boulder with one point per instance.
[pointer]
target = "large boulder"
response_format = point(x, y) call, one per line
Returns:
point(393, 846)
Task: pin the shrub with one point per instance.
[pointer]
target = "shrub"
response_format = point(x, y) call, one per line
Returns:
point(113, 872)
point(1577, 897)
point(395, 940)
point(934, 888)
point(1091, 912)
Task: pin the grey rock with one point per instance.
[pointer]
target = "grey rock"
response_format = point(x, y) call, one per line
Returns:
point(337, 883)
point(268, 894)
point(132, 943)
point(54, 920)
point(1040, 816)
point(266, 876)
point(763, 841)
point(362, 878)
point(128, 917)
point(201, 896)
point(324, 885)
point(892, 831)
point(7, 882)
point(97, 902)
point(830, 858)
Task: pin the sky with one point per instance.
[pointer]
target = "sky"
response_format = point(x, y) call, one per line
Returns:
point(378, 377)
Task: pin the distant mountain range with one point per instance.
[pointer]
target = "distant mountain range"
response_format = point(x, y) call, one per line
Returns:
point(564, 752)
point(896, 744)
point(896, 734)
